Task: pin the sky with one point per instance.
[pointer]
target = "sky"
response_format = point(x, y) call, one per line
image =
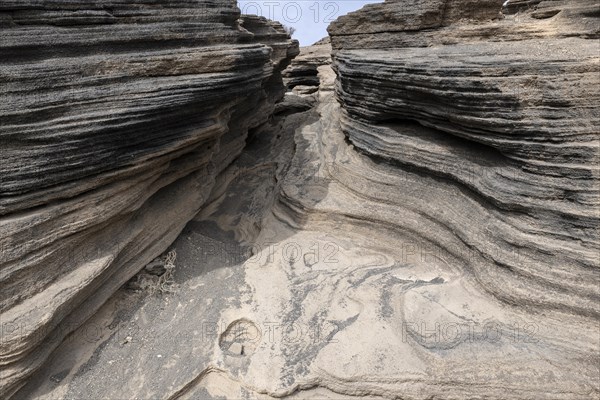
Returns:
point(309, 17)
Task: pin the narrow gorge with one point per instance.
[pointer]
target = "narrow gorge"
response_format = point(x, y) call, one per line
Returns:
point(192, 206)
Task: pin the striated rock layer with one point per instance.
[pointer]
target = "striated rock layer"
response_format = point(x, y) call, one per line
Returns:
point(428, 230)
point(510, 117)
point(115, 119)
point(302, 75)
point(488, 125)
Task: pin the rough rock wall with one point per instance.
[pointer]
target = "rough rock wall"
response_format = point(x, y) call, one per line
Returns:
point(506, 109)
point(115, 118)
point(301, 76)
point(444, 251)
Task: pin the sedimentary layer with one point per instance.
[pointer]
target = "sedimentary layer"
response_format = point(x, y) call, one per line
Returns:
point(301, 76)
point(115, 119)
point(510, 118)
point(422, 226)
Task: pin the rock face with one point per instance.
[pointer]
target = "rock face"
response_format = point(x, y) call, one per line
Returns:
point(428, 230)
point(487, 127)
point(302, 75)
point(507, 118)
point(116, 118)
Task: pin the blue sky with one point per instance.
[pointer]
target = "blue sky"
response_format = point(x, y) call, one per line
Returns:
point(309, 17)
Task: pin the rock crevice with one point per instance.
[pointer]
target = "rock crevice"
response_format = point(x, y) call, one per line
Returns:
point(416, 217)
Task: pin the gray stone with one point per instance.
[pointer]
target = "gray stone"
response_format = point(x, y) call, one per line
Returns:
point(116, 118)
point(423, 224)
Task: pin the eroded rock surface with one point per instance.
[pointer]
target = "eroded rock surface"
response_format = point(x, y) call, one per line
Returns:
point(301, 77)
point(429, 229)
point(510, 119)
point(116, 118)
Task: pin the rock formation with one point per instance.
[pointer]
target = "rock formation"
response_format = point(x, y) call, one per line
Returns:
point(424, 225)
point(301, 76)
point(116, 118)
point(507, 119)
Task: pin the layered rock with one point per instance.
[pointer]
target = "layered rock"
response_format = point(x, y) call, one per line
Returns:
point(301, 76)
point(487, 127)
point(427, 231)
point(116, 118)
point(508, 118)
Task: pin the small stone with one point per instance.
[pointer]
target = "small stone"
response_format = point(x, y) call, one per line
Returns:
point(236, 348)
point(156, 267)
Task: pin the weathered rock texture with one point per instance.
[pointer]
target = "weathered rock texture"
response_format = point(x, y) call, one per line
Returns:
point(302, 75)
point(509, 117)
point(429, 230)
point(115, 119)
point(493, 121)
